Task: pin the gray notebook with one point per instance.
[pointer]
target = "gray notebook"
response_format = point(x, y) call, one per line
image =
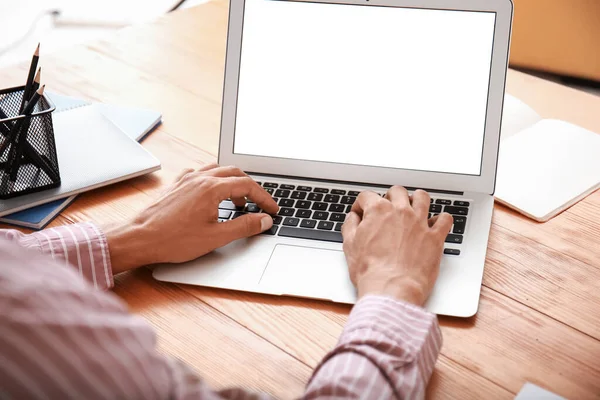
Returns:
point(92, 152)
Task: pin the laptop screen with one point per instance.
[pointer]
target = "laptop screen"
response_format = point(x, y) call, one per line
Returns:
point(378, 86)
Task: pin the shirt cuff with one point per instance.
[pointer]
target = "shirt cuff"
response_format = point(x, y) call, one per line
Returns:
point(82, 246)
point(415, 331)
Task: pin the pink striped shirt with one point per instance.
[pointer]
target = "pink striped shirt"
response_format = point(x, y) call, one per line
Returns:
point(60, 338)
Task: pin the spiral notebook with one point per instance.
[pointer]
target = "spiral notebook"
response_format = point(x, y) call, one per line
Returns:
point(135, 122)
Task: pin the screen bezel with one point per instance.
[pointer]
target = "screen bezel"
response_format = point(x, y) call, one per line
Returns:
point(483, 183)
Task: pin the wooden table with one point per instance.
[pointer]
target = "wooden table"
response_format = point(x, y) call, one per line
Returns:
point(539, 317)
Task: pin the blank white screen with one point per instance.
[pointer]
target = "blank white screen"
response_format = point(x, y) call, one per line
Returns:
point(366, 85)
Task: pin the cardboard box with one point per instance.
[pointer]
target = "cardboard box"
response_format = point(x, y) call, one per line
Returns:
point(557, 36)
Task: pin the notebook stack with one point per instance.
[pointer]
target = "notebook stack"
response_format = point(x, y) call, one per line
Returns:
point(102, 150)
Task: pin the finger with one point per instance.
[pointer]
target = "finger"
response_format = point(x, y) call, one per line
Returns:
point(242, 187)
point(243, 227)
point(364, 201)
point(239, 201)
point(431, 221)
point(208, 167)
point(226, 172)
point(420, 203)
point(229, 171)
point(350, 225)
point(442, 224)
point(398, 196)
point(183, 173)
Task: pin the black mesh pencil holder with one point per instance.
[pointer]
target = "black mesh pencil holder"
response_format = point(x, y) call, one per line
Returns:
point(28, 160)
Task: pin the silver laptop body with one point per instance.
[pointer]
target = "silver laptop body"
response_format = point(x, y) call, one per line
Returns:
point(323, 99)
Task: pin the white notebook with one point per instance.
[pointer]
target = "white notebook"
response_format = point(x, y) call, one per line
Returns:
point(135, 122)
point(92, 152)
point(545, 166)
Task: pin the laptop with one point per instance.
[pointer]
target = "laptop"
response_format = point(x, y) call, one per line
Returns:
point(324, 99)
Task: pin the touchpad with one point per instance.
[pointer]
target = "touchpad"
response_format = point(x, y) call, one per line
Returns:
point(308, 272)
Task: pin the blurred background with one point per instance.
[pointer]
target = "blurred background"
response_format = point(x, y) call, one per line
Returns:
point(558, 40)
point(63, 23)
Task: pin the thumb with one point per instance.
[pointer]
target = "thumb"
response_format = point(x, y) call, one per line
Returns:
point(246, 226)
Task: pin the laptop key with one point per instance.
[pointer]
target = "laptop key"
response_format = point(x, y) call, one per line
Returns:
point(270, 191)
point(325, 225)
point(252, 208)
point(459, 230)
point(224, 214)
point(303, 213)
point(308, 223)
point(227, 205)
point(286, 203)
point(315, 197)
point(286, 212)
point(304, 188)
point(353, 193)
point(337, 208)
point(348, 209)
point(453, 252)
point(459, 220)
point(442, 201)
point(435, 208)
point(319, 206)
point(271, 231)
point(338, 227)
point(303, 204)
point(451, 238)
point(456, 210)
point(321, 190)
point(288, 187)
point(270, 185)
point(331, 198)
point(337, 191)
point(348, 199)
point(284, 194)
point(238, 214)
point(298, 195)
point(320, 215)
point(459, 225)
point(313, 234)
point(277, 219)
point(337, 217)
point(461, 203)
point(290, 221)
point(258, 183)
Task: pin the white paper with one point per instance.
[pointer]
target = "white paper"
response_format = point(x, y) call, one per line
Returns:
point(516, 117)
point(547, 168)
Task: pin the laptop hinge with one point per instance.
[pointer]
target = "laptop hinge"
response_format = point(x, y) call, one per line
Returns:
point(429, 190)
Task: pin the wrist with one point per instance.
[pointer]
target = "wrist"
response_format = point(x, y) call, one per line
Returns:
point(127, 246)
point(403, 289)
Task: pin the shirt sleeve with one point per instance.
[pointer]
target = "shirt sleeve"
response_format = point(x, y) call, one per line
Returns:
point(60, 338)
point(388, 349)
point(80, 246)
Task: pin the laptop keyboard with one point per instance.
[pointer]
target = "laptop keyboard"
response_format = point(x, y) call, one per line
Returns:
point(318, 213)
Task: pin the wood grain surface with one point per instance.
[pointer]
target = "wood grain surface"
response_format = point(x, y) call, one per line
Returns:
point(539, 315)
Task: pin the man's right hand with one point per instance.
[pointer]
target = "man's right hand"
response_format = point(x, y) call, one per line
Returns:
point(392, 249)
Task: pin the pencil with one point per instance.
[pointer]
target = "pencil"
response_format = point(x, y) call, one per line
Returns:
point(28, 85)
point(36, 81)
point(21, 134)
point(8, 133)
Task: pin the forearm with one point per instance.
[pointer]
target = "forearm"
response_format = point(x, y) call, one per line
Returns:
point(388, 349)
point(60, 338)
point(82, 247)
